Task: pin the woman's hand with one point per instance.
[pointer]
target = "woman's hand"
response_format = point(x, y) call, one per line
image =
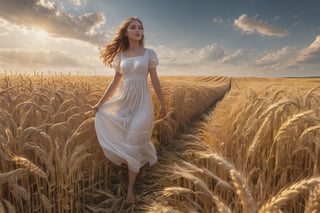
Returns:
point(96, 107)
point(163, 112)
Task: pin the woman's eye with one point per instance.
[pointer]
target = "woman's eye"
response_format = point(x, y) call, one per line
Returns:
point(135, 27)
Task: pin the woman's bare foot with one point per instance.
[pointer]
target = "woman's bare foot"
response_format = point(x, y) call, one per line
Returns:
point(130, 197)
point(130, 194)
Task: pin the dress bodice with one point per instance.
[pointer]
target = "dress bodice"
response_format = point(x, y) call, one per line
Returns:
point(136, 66)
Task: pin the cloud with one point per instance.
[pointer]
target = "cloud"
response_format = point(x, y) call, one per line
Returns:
point(217, 20)
point(310, 54)
point(37, 58)
point(238, 57)
point(79, 2)
point(45, 15)
point(217, 60)
point(281, 56)
point(23, 49)
point(250, 25)
point(210, 53)
point(57, 61)
point(188, 57)
point(212, 59)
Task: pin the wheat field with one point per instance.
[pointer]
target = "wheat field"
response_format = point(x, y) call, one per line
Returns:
point(226, 145)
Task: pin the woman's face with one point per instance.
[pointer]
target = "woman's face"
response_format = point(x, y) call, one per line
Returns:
point(135, 31)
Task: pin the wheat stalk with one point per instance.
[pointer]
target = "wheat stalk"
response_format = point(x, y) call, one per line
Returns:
point(219, 159)
point(306, 115)
point(197, 181)
point(5, 176)
point(307, 131)
point(313, 202)
point(10, 208)
point(289, 194)
point(243, 192)
point(27, 164)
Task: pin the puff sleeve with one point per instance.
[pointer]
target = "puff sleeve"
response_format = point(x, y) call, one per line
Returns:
point(116, 62)
point(153, 59)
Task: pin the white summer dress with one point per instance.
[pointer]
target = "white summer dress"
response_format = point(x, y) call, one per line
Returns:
point(124, 123)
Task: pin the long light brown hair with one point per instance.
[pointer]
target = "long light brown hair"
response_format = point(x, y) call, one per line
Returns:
point(119, 42)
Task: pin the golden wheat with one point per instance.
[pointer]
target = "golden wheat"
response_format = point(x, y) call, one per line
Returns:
point(313, 203)
point(236, 155)
point(289, 194)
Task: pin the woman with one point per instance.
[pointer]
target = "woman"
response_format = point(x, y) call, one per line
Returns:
point(124, 123)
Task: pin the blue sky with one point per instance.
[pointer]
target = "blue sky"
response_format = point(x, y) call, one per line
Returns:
point(265, 38)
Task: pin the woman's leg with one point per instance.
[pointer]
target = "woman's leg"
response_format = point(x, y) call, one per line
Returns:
point(142, 171)
point(130, 194)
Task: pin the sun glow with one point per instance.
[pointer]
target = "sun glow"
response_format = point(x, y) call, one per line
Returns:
point(40, 34)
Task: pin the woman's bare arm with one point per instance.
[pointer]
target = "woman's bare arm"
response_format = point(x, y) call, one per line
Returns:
point(157, 88)
point(109, 91)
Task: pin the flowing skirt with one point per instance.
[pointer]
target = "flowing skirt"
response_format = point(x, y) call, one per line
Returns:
point(124, 125)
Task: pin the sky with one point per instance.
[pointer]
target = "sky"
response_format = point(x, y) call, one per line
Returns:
point(260, 38)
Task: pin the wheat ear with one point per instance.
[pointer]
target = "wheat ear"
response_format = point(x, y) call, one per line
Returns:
point(288, 194)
